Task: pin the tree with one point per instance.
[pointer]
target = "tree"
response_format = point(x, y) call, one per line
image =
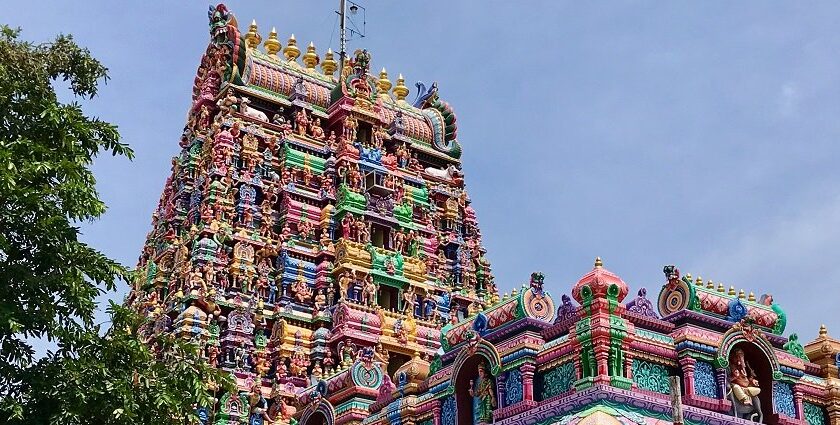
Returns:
point(49, 279)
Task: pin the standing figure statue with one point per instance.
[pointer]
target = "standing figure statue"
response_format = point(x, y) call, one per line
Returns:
point(484, 395)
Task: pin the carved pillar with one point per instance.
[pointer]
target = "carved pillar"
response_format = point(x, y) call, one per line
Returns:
point(687, 365)
point(797, 401)
point(527, 371)
point(628, 365)
point(720, 378)
point(437, 411)
point(602, 358)
point(501, 389)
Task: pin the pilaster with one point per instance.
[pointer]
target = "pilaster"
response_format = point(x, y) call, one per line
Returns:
point(687, 365)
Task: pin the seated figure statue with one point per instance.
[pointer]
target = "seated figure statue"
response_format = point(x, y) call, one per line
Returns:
point(742, 379)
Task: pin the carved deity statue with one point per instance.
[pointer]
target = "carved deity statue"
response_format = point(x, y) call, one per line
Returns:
point(369, 291)
point(743, 380)
point(483, 393)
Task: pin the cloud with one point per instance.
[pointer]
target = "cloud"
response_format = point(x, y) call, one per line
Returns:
point(789, 96)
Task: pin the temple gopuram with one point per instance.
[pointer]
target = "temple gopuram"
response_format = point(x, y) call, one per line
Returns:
point(316, 240)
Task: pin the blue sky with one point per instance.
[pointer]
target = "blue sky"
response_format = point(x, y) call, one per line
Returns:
point(701, 134)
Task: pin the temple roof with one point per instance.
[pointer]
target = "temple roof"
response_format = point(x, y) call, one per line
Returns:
point(274, 76)
point(599, 280)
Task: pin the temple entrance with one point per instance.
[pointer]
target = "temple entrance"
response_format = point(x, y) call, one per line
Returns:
point(395, 362)
point(757, 364)
point(475, 392)
point(316, 418)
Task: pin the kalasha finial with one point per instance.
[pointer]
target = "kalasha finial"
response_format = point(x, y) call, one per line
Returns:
point(291, 51)
point(252, 37)
point(329, 64)
point(400, 91)
point(272, 44)
point(751, 297)
point(384, 84)
point(598, 262)
point(310, 58)
point(823, 331)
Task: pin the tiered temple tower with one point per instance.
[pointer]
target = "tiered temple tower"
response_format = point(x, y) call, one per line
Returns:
point(316, 240)
point(315, 223)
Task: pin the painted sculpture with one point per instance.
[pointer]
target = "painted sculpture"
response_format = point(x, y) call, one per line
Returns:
point(742, 378)
point(484, 396)
point(330, 259)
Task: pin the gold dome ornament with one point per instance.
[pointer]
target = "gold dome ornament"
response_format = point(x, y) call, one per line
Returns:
point(272, 44)
point(252, 37)
point(400, 91)
point(598, 262)
point(384, 84)
point(329, 64)
point(310, 58)
point(291, 51)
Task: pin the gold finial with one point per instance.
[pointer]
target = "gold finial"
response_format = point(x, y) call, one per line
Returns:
point(384, 84)
point(721, 288)
point(291, 51)
point(598, 262)
point(329, 64)
point(504, 297)
point(731, 290)
point(688, 276)
point(513, 292)
point(400, 91)
point(710, 284)
point(823, 331)
point(751, 297)
point(741, 294)
point(272, 44)
point(252, 37)
point(698, 281)
point(310, 58)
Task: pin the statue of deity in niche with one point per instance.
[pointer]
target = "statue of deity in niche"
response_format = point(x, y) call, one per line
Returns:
point(484, 396)
point(743, 380)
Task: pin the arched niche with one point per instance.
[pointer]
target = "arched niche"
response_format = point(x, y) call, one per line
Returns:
point(320, 413)
point(761, 357)
point(744, 333)
point(465, 369)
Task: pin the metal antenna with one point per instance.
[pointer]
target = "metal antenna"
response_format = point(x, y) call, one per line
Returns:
point(342, 35)
point(342, 13)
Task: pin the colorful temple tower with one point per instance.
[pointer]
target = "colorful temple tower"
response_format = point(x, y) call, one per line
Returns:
point(316, 239)
point(315, 224)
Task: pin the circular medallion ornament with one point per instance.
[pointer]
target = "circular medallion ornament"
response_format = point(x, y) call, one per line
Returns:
point(538, 305)
point(674, 299)
point(366, 377)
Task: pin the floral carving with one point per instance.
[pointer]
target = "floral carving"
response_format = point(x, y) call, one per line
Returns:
point(704, 380)
point(651, 376)
point(558, 380)
point(513, 387)
point(783, 399)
